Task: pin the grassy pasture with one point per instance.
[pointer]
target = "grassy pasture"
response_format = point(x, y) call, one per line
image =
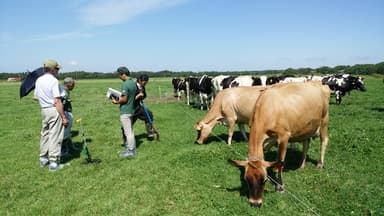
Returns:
point(175, 176)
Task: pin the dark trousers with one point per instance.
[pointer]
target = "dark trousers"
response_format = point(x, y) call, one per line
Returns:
point(140, 114)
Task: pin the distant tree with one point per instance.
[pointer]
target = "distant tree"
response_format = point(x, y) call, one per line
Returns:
point(289, 71)
point(379, 68)
point(324, 70)
point(363, 69)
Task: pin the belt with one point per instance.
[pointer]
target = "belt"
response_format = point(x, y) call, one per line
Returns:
point(48, 107)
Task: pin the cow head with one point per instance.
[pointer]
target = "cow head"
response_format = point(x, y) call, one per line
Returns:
point(203, 131)
point(256, 176)
point(358, 83)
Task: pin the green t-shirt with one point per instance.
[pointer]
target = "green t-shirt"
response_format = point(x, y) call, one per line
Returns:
point(128, 88)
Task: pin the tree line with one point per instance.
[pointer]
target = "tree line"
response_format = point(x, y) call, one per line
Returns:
point(358, 69)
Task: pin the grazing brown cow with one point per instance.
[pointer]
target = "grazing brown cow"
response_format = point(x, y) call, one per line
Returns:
point(232, 105)
point(285, 112)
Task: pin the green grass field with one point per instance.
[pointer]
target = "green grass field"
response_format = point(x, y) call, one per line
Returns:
point(177, 177)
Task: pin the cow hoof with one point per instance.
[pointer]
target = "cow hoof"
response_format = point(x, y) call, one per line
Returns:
point(256, 204)
point(320, 166)
point(196, 142)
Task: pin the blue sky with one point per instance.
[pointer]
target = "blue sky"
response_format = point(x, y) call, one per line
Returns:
point(190, 35)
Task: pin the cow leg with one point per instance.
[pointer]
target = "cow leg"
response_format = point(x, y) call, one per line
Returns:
point(231, 127)
point(242, 130)
point(282, 151)
point(201, 101)
point(305, 151)
point(324, 143)
point(338, 97)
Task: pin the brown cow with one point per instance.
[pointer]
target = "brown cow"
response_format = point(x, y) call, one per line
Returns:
point(233, 105)
point(285, 112)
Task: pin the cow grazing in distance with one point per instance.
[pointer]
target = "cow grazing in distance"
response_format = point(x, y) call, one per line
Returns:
point(284, 112)
point(231, 106)
point(340, 84)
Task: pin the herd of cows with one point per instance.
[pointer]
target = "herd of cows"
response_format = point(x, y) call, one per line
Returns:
point(278, 110)
point(207, 87)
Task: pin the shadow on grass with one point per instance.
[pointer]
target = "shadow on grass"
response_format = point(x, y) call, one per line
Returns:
point(378, 109)
point(77, 154)
point(236, 138)
point(75, 133)
point(139, 139)
point(292, 159)
point(243, 188)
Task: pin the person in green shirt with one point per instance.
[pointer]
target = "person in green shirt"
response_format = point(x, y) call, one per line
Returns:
point(69, 85)
point(126, 102)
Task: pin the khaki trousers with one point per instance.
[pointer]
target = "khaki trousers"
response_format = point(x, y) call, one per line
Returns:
point(126, 123)
point(52, 133)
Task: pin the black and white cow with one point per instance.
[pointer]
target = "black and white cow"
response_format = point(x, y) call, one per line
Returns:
point(200, 87)
point(217, 83)
point(272, 80)
point(233, 81)
point(226, 82)
point(242, 81)
point(205, 91)
point(340, 84)
point(178, 87)
point(192, 85)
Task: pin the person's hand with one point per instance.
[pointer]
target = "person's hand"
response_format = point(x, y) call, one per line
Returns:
point(65, 121)
point(114, 101)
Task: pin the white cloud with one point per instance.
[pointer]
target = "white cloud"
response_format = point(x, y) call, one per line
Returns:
point(110, 12)
point(73, 63)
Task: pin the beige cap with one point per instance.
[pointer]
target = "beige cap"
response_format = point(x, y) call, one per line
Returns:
point(68, 80)
point(51, 64)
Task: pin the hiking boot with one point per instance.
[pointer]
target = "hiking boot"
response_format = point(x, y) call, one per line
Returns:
point(53, 166)
point(149, 129)
point(44, 161)
point(150, 135)
point(128, 153)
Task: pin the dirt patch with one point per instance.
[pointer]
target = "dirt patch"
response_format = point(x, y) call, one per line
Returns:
point(162, 99)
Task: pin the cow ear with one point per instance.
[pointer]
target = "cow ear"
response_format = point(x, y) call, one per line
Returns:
point(268, 164)
point(238, 163)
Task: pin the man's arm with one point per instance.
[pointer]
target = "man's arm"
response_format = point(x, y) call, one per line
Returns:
point(60, 110)
point(122, 100)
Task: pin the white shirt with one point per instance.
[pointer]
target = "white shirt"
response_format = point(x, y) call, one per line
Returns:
point(47, 88)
